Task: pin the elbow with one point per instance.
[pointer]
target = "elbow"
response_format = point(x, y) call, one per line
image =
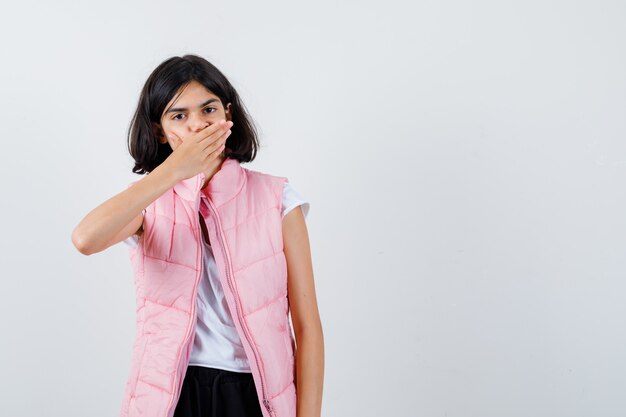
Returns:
point(81, 243)
point(312, 328)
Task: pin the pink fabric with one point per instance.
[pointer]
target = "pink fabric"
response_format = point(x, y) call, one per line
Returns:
point(246, 226)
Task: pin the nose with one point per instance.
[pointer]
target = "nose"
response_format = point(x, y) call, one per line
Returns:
point(197, 123)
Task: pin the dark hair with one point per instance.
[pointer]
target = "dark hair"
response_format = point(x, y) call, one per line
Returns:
point(160, 87)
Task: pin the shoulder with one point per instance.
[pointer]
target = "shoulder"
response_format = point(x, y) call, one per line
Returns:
point(264, 176)
point(258, 180)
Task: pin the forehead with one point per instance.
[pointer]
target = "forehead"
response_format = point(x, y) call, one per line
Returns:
point(191, 95)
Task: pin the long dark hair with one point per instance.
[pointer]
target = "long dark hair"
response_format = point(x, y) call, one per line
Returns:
point(160, 87)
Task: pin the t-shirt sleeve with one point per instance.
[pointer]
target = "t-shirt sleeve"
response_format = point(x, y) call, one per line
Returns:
point(292, 199)
point(131, 241)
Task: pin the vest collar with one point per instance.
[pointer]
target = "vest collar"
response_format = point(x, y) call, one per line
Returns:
point(222, 187)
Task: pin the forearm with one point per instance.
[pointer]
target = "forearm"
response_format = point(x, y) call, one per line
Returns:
point(309, 371)
point(99, 226)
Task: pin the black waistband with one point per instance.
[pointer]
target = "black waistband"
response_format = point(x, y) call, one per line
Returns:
point(206, 375)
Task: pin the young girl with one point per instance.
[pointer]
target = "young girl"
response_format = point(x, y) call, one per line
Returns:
point(220, 255)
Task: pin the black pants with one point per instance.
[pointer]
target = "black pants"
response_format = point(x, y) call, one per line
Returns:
point(211, 392)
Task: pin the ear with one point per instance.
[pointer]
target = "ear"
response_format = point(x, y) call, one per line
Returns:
point(229, 115)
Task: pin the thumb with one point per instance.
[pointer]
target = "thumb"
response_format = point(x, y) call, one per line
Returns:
point(175, 139)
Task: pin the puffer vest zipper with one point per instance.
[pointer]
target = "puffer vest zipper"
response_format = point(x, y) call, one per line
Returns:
point(246, 227)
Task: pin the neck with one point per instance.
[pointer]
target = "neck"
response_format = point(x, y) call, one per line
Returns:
point(216, 166)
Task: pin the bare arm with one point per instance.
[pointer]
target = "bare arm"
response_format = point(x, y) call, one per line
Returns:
point(121, 215)
point(305, 316)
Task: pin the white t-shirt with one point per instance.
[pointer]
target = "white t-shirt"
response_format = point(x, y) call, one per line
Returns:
point(217, 343)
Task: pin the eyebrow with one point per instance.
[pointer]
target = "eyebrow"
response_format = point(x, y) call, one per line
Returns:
point(182, 109)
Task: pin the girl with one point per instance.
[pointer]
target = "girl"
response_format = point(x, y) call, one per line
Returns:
point(220, 255)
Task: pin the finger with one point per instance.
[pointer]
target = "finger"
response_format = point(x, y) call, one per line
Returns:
point(174, 141)
point(217, 151)
point(218, 142)
point(209, 130)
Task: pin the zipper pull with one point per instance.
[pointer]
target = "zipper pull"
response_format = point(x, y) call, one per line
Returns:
point(266, 402)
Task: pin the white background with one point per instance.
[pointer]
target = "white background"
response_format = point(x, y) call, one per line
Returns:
point(465, 165)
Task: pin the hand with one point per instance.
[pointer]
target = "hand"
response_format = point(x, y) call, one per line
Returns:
point(198, 152)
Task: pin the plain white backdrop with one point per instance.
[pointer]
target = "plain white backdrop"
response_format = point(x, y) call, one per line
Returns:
point(465, 164)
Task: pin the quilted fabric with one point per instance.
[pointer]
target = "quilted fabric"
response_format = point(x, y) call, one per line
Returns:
point(246, 224)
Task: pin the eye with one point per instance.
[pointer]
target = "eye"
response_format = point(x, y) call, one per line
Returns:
point(180, 114)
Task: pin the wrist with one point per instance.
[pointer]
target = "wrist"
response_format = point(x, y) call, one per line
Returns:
point(168, 175)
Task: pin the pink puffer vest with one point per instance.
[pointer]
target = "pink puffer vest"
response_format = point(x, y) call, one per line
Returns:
point(245, 228)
